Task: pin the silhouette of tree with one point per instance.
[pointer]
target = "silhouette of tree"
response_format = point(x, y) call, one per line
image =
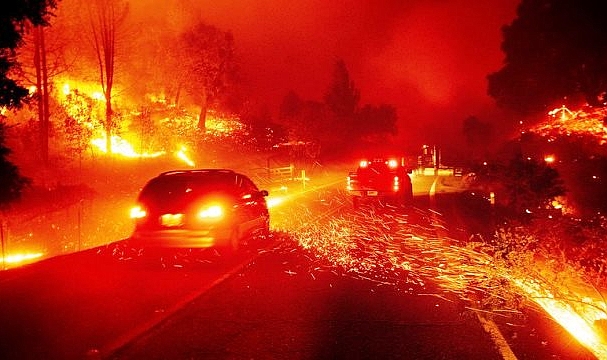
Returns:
point(205, 65)
point(376, 121)
point(478, 136)
point(554, 50)
point(14, 18)
point(291, 105)
point(342, 97)
point(107, 20)
point(521, 183)
point(11, 181)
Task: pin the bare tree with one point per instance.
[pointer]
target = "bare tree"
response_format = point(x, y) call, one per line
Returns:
point(107, 20)
point(40, 60)
point(31, 18)
point(42, 90)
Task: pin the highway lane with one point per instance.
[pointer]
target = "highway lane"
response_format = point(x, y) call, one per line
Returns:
point(73, 305)
point(272, 302)
point(285, 306)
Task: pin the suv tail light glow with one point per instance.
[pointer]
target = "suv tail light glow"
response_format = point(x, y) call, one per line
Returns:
point(138, 212)
point(211, 212)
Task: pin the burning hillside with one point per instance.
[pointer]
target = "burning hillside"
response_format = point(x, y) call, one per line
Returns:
point(589, 122)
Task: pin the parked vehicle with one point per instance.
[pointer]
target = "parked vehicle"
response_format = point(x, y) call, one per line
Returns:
point(380, 179)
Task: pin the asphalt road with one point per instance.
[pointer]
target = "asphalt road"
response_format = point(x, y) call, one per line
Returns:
point(275, 300)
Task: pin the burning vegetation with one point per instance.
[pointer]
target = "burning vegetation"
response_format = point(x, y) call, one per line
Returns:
point(588, 122)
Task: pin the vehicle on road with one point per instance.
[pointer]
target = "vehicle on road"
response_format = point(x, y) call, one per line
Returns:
point(380, 179)
point(199, 209)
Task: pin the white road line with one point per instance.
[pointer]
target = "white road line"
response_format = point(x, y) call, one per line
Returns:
point(124, 339)
point(498, 339)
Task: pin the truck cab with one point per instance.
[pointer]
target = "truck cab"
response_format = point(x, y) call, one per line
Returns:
point(380, 179)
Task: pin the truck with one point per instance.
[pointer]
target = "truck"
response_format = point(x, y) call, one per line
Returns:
point(384, 180)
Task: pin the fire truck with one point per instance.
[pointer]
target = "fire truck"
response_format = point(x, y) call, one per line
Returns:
point(384, 180)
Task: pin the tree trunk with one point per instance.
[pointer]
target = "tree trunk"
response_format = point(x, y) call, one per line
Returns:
point(177, 95)
point(202, 118)
point(108, 123)
point(45, 97)
point(41, 92)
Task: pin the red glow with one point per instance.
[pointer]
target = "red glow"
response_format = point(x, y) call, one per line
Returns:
point(424, 57)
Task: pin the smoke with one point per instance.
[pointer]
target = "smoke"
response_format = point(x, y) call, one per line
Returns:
point(428, 58)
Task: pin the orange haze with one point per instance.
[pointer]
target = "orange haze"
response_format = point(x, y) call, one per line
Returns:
point(428, 58)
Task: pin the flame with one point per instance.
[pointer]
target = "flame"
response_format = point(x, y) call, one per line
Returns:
point(98, 96)
point(578, 322)
point(564, 122)
point(122, 147)
point(20, 258)
point(181, 154)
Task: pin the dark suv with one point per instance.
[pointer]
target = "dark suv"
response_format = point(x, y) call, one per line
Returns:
point(199, 209)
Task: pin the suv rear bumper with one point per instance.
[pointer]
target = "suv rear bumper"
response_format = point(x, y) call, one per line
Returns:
point(179, 238)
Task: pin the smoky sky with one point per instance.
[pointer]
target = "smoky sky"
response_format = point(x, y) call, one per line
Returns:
point(428, 58)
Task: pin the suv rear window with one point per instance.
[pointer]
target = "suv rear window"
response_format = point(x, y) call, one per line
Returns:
point(177, 186)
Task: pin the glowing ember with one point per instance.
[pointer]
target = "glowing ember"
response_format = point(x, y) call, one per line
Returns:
point(400, 248)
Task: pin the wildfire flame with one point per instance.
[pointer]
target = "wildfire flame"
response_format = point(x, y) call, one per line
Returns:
point(20, 258)
point(181, 154)
point(578, 321)
point(122, 147)
point(563, 121)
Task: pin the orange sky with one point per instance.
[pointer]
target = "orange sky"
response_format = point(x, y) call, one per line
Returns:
point(429, 58)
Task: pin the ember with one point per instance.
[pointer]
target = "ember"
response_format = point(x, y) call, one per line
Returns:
point(387, 246)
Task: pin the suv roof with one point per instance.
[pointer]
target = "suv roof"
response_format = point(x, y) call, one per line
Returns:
point(197, 171)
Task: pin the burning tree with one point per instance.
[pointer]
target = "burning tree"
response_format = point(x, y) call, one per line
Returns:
point(78, 123)
point(107, 18)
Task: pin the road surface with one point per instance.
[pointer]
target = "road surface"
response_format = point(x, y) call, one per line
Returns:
point(278, 299)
